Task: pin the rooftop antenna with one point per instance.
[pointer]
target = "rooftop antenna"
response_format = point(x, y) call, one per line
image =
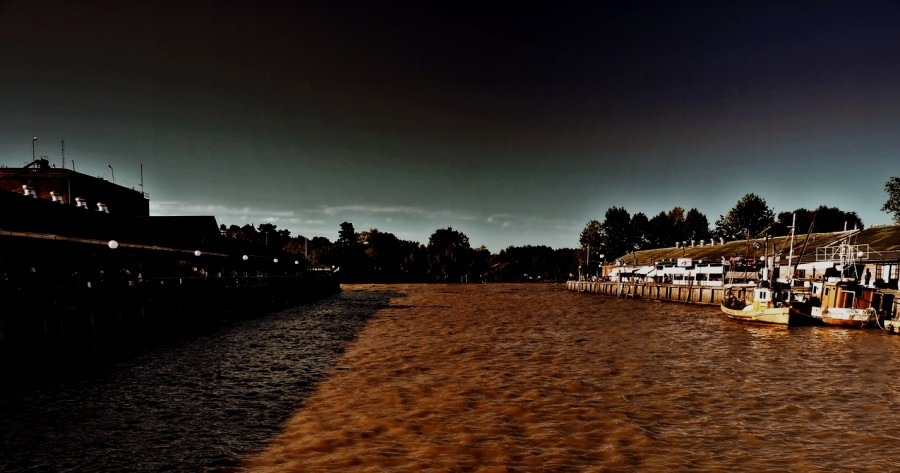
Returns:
point(63, 145)
point(142, 178)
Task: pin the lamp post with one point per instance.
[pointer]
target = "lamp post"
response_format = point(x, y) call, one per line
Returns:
point(113, 173)
point(32, 148)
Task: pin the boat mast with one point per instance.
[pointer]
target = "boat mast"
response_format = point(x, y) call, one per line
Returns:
point(791, 252)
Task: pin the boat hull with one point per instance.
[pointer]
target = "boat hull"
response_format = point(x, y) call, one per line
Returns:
point(771, 316)
point(847, 317)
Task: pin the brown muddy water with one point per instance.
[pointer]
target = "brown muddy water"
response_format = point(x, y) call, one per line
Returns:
point(467, 378)
point(536, 378)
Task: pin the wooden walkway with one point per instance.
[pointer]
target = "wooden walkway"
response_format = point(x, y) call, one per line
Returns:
point(694, 294)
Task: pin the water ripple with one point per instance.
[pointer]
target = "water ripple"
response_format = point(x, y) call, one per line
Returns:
point(196, 405)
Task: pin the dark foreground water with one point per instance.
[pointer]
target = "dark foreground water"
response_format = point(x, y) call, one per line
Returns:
point(194, 405)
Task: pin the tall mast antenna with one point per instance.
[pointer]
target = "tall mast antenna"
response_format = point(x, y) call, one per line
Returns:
point(63, 145)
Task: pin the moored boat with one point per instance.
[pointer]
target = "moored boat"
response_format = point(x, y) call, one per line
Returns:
point(843, 303)
point(762, 309)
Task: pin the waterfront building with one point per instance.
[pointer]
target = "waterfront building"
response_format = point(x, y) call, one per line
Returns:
point(67, 187)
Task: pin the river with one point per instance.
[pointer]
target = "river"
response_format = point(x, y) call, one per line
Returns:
point(475, 378)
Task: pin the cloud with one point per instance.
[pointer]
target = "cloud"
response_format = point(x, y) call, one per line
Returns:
point(390, 212)
point(182, 208)
point(518, 221)
point(370, 209)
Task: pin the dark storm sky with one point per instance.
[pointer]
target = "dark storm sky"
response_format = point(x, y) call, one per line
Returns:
point(513, 123)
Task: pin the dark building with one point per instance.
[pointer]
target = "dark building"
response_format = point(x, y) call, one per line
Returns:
point(83, 263)
point(67, 187)
point(65, 220)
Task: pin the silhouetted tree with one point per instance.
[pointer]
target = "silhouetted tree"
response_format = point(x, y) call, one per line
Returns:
point(349, 255)
point(481, 263)
point(640, 230)
point(591, 240)
point(675, 219)
point(892, 205)
point(415, 263)
point(318, 249)
point(565, 264)
point(449, 255)
point(388, 255)
point(268, 234)
point(746, 219)
point(347, 236)
point(617, 238)
point(537, 263)
point(247, 232)
point(696, 226)
point(659, 233)
point(827, 219)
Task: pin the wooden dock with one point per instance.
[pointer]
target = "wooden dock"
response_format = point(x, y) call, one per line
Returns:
point(712, 295)
point(692, 294)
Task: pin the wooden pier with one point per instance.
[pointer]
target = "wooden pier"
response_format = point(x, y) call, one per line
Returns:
point(693, 294)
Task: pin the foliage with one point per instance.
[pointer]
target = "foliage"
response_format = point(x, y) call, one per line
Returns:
point(617, 233)
point(892, 205)
point(591, 241)
point(347, 236)
point(534, 263)
point(481, 264)
point(659, 233)
point(640, 230)
point(349, 255)
point(449, 255)
point(827, 219)
point(390, 258)
point(318, 249)
point(696, 226)
point(376, 256)
point(749, 217)
point(675, 220)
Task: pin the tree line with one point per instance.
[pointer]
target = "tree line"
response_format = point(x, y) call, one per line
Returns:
point(621, 233)
point(378, 256)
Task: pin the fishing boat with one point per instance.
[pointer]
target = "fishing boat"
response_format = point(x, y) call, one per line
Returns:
point(844, 303)
point(762, 309)
point(841, 300)
point(766, 306)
